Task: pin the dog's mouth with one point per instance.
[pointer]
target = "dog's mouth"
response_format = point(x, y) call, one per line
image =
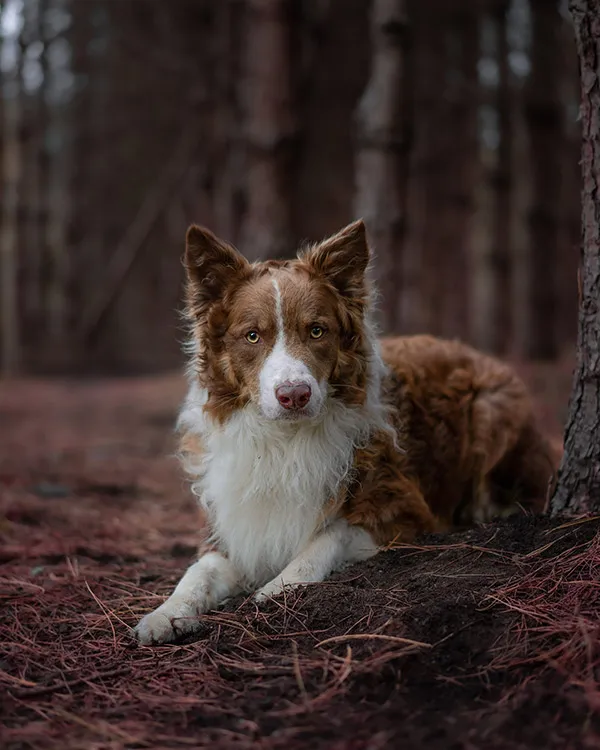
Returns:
point(293, 416)
point(296, 415)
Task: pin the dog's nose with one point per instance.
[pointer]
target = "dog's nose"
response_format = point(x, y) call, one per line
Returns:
point(293, 396)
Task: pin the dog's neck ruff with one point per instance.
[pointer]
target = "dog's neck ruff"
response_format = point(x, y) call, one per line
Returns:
point(266, 485)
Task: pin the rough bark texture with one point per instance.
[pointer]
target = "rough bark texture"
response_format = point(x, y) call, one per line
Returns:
point(544, 115)
point(382, 159)
point(578, 488)
point(269, 130)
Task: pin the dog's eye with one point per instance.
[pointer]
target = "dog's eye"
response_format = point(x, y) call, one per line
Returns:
point(252, 337)
point(316, 332)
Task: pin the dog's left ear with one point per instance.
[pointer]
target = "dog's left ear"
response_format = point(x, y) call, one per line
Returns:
point(343, 259)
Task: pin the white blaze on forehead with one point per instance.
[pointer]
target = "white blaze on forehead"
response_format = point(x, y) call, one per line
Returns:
point(281, 367)
point(278, 309)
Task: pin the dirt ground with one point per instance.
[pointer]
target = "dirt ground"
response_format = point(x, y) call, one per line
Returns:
point(483, 639)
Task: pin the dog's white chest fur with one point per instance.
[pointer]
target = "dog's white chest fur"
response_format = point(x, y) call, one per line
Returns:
point(265, 484)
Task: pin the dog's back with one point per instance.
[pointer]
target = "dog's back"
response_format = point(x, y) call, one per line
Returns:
point(466, 421)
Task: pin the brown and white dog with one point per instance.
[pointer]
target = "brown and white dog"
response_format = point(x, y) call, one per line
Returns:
point(311, 443)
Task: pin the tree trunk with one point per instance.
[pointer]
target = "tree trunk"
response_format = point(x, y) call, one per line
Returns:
point(578, 487)
point(84, 244)
point(459, 180)
point(570, 193)
point(227, 146)
point(33, 234)
point(10, 352)
point(543, 114)
point(58, 199)
point(383, 129)
point(497, 322)
point(269, 130)
point(425, 253)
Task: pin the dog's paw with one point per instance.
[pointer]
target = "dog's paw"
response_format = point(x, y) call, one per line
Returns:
point(275, 588)
point(154, 628)
point(166, 623)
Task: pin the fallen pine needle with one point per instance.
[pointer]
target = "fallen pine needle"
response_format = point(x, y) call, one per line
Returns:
point(373, 636)
point(568, 524)
point(45, 689)
point(298, 672)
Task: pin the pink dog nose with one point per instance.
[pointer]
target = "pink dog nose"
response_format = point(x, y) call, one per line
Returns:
point(293, 396)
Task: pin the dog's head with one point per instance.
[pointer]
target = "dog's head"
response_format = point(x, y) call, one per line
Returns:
point(285, 336)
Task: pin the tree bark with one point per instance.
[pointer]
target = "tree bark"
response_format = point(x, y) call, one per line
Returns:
point(383, 136)
point(10, 352)
point(543, 114)
point(578, 487)
point(269, 130)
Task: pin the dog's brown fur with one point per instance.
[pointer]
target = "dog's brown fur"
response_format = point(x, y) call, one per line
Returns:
point(470, 445)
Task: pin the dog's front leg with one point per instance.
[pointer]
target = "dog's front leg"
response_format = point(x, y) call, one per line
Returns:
point(205, 584)
point(337, 545)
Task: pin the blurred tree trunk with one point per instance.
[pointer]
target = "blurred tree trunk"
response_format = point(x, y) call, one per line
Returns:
point(100, 64)
point(495, 324)
point(462, 149)
point(203, 107)
point(570, 192)
point(269, 129)
point(543, 112)
point(83, 241)
point(60, 137)
point(578, 487)
point(227, 118)
point(383, 134)
point(424, 288)
point(10, 351)
point(33, 48)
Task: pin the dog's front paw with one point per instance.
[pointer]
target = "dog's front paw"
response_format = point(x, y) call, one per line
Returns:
point(169, 621)
point(268, 591)
point(154, 628)
point(275, 588)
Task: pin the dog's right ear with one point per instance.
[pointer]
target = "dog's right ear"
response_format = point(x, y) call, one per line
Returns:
point(210, 265)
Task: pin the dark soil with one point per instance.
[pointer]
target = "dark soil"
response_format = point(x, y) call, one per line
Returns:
point(482, 639)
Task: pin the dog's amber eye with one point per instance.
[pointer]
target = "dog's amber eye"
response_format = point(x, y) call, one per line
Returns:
point(252, 337)
point(316, 332)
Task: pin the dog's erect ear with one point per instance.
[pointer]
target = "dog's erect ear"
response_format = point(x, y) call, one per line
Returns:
point(211, 265)
point(343, 259)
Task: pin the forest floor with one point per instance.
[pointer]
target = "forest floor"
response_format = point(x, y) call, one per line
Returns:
point(481, 639)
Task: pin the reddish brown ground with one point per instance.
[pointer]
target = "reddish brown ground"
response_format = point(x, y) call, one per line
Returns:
point(485, 639)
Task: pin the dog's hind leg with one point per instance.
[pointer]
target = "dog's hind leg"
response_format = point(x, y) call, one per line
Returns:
point(513, 462)
point(525, 473)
